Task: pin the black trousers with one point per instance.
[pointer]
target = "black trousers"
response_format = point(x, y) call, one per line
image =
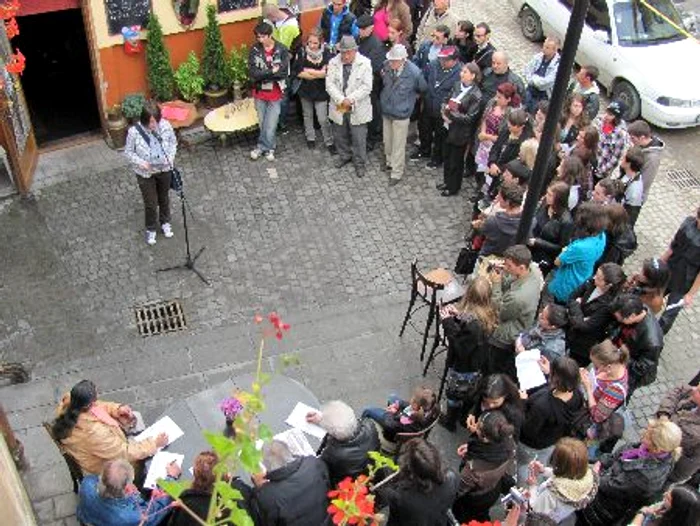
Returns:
point(374, 129)
point(453, 170)
point(502, 360)
point(156, 199)
point(432, 134)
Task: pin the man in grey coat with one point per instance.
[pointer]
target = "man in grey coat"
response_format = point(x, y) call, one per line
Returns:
point(402, 83)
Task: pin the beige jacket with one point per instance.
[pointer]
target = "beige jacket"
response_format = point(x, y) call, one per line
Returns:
point(92, 442)
point(358, 90)
point(431, 20)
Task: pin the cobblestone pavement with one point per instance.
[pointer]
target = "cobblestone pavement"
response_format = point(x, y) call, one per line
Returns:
point(329, 251)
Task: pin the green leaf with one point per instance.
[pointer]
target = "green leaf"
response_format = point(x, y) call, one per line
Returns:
point(174, 488)
point(250, 458)
point(240, 517)
point(265, 433)
point(226, 491)
point(220, 444)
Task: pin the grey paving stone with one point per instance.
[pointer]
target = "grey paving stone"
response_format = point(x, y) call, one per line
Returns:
point(65, 505)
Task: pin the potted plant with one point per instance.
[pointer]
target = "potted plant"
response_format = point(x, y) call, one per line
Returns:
point(132, 105)
point(161, 79)
point(189, 82)
point(214, 68)
point(117, 126)
point(238, 68)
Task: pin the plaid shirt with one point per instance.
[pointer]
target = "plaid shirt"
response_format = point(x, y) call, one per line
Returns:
point(610, 148)
point(138, 151)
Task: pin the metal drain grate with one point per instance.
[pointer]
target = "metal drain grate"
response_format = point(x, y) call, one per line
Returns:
point(160, 317)
point(683, 179)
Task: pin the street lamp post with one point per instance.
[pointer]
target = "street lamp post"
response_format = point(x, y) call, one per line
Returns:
point(566, 62)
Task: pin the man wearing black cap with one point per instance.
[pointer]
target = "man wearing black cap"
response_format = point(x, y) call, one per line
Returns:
point(442, 75)
point(373, 49)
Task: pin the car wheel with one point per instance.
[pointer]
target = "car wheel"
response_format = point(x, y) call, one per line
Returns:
point(531, 25)
point(627, 94)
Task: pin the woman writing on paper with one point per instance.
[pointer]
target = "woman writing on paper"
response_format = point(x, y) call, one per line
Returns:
point(93, 431)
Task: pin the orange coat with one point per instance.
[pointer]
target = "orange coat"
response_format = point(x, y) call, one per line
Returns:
point(93, 442)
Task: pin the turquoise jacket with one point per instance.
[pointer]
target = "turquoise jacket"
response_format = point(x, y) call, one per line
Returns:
point(577, 263)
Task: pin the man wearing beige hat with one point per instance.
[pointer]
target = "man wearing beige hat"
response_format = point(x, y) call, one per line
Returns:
point(402, 82)
point(349, 84)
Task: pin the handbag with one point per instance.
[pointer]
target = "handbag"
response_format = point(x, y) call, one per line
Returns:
point(460, 387)
point(175, 175)
point(466, 260)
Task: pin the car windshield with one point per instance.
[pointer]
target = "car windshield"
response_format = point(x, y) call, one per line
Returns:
point(639, 25)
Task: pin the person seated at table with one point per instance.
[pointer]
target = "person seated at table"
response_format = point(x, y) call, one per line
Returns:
point(290, 491)
point(547, 335)
point(198, 496)
point(92, 430)
point(424, 489)
point(344, 449)
point(406, 417)
point(111, 499)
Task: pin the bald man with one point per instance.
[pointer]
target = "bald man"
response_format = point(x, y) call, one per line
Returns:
point(497, 74)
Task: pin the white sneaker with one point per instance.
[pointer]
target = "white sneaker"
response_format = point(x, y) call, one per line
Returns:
point(150, 237)
point(167, 230)
point(255, 154)
point(270, 156)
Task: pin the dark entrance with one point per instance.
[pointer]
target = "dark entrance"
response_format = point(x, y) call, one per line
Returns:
point(57, 82)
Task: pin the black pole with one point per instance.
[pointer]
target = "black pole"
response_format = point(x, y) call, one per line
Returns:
point(566, 63)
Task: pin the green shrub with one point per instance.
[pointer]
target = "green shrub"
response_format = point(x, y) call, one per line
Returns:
point(214, 68)
point(132, 105)
point(190, 83)
point(161, 80)
point(238, 64)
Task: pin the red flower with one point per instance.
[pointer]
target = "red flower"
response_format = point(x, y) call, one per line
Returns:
point(9, 9)
point(258, 319)
point(16, 64)
point(11, 28)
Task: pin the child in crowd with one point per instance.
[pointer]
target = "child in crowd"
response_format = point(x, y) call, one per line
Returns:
point(631, 178)
point(400, 416)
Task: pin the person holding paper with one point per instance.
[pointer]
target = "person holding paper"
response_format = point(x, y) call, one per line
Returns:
point(344, 449)
point(93, 431)
point(548, 333)
point(549, 413)
point(111, 499)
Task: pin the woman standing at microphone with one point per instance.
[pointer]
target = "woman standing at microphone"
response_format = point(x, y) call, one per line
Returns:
point(151, 147)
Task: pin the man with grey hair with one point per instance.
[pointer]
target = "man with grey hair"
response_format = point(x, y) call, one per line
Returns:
point(290, 491)
point(344, 449)
point(111, 499)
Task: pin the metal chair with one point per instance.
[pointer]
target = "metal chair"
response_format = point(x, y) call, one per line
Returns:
point(392, 448)
point(76, 474)
point(426, 287)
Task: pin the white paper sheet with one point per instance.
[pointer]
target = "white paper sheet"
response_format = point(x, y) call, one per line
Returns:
point(164, 425)
point(529, 373)
point(297, 419)
point(159, 465)
point(296, 441)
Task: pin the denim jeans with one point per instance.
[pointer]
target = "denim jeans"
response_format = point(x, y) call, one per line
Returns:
point(268, 116)
point(377, 413)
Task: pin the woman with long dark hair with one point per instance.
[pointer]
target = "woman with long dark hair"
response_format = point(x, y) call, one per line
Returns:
point(589, 311)
point(552, 227)
point(467, 327)
point(573, 119)
point(572, 172)
point(650, 283)
point(679, 507)
point(620, 239)
point(92, 430)
point(423, 491)
point(586, 149)
point(497, 392)
point(464, 41)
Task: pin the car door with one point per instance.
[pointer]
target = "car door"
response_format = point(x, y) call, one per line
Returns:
point(596, 45)
point(558, 15)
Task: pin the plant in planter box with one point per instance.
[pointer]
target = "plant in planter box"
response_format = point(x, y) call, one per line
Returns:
point(238, 68)
point(161, 79)
point(214, 67)
point(190, 83)
point(132, 106)
point(117, 127)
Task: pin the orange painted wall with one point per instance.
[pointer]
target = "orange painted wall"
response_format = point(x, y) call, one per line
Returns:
point(124, 73)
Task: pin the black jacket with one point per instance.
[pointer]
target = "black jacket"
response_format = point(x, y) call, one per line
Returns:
point(198, 502)
point(551, 234)
point(645, 341)
point(409, 505)
point(624, 487)
point(349, 458)
point(547, 418)
point(315, 89)
point(440, 83)
point(466, 117)
point(589, 321)
point(372, 48)
point(482, 57)
point(467, 349)
point(294, 496)
point(506, 149)
point(466, 50)
point(514, 413)
point(491, 81)
point(618, 247)
point(260, 71)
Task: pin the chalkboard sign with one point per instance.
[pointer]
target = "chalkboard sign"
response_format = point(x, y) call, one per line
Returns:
point(235, 5)
point(122, 13)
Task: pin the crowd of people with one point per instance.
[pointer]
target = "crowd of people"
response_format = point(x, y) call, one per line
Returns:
point(363, 75)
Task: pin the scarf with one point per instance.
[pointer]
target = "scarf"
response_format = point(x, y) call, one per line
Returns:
point(314, 56)
point(641, 453)
point(575, 492)
point(103, 416)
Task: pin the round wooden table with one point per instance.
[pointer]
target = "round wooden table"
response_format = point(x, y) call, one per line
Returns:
point(232, 118)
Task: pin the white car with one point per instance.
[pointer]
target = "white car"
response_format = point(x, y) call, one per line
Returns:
point(643, 60)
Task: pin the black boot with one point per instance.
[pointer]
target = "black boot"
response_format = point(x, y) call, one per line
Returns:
point(449, 419)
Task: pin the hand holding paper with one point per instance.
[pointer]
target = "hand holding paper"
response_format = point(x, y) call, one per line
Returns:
point(297, 419)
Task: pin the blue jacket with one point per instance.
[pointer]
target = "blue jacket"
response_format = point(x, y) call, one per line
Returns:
point(422, 56)
point(577, 263)
point(127, 511)
point(440, 83)
point(399, 94)
point(335, 26)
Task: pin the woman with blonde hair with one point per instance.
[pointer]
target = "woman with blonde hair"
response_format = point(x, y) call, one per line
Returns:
point(467, 328)
point(634, 477)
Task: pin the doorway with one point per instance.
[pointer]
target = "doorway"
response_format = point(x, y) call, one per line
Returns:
point(58, 83)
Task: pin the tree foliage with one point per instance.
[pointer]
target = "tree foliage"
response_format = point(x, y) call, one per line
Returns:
point(215, 68)
point(161, 79)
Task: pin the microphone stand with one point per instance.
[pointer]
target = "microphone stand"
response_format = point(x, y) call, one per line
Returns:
point(189, 263)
